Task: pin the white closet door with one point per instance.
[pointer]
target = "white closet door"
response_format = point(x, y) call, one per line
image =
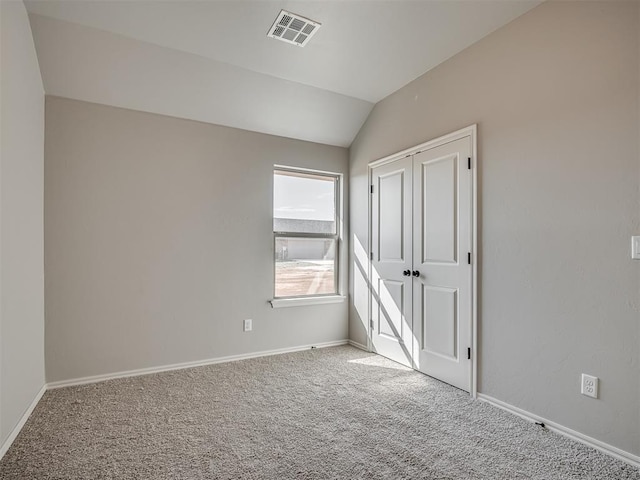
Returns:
point(391, 246)
point(442, 239)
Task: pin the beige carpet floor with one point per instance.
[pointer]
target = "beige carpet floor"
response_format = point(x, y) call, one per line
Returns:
point(334, 413)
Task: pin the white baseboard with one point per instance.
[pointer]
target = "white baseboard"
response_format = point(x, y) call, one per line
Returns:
point(353, 343)
point(14, 433)
point(562, 430)
point(181, 366)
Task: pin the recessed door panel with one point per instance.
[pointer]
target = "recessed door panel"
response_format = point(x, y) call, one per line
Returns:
point(440, 209)
point(440, 321)
point(391, 304)
point(390, 227)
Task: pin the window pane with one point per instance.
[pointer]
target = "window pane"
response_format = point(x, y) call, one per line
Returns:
point(304, 203)
point(305, 266)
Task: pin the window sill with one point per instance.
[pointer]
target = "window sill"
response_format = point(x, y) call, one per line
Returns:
point(299, 302)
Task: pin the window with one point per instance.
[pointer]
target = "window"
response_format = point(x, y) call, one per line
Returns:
point(306, 233)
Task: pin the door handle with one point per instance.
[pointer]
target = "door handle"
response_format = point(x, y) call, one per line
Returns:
point(407, 273)
point(416, 273)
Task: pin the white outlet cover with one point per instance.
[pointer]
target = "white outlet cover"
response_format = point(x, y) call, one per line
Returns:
point(589, 386)
point(635, 247)
point(247, 325)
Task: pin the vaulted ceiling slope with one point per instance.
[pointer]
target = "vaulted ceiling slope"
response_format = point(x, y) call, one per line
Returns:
point(212, 61)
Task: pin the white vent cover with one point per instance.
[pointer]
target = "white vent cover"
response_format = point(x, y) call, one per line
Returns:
point(293, 29)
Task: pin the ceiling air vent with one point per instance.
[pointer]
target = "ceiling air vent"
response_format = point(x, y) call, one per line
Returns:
point(292, 28)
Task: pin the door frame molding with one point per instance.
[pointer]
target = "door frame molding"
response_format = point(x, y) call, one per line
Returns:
point(472, 132)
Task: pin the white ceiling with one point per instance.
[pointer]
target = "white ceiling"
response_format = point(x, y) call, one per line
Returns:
point(212, 61)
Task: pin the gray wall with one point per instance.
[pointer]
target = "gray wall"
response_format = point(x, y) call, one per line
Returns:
point(159, 241)
point(21, 220)
point(555, 94)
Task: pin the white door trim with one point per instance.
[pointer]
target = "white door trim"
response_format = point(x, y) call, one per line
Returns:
point(470, 131)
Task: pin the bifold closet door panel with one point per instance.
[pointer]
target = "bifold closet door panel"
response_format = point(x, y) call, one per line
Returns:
point(442, 240)
point(391, 246)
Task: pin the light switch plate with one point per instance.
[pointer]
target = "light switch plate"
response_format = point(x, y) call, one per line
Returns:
point(635, 248)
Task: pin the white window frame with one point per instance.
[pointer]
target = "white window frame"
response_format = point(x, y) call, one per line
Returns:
point(314, 299)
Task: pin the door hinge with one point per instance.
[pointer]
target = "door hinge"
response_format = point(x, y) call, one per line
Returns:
point(469, 163)
point(371, 256)
point(469, 353)
point(371, 188)
point(469, 258)
point(371, 323)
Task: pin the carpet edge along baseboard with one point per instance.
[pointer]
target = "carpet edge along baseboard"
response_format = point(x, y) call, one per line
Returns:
point(601, 446)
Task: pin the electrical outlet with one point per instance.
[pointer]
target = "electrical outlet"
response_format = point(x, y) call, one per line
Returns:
point(589, 386)
point(248, 325)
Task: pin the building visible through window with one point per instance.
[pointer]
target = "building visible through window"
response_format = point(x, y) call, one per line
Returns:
point(305, 225)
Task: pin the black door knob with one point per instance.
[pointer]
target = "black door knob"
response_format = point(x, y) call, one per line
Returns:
point(407, 273)
point(416, 273)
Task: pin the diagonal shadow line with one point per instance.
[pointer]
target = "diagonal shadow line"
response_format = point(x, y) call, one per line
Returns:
point(371, 289)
